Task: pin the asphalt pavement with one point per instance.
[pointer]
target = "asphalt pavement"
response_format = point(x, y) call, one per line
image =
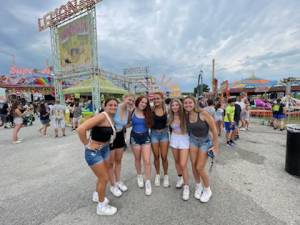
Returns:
point(45, 180)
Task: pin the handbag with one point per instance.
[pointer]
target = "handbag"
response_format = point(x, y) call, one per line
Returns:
point(112, 138)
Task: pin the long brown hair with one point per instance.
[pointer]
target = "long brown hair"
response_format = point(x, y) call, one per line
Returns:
point(147, 111)
point(181, 115)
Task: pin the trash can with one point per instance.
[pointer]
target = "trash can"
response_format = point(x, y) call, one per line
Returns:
point(292, 158)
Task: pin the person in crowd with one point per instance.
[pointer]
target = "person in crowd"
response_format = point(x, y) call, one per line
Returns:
point(58, 112)
point(18, 113)
point(77, 110)
point(3, 113)
point(97, 151)
point(279, 112)
point(71, 108)
point(118, 146)
point(247, 117)
point(219, 117)
point(237, 119)
point(44, 118)
point(202, 101)
point(210, 108)
point(243, 103)
point(229, 121)
point(141, 121)
point(200, 124)
point(160, 138)
point(179, 143)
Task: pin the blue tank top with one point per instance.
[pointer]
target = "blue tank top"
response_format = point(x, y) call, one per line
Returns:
point(119, 122)
point(138, 124)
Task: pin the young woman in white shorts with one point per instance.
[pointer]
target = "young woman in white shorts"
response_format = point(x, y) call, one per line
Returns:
point(180, 145)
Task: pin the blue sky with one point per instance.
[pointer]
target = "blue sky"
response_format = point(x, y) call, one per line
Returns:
point(175, 38)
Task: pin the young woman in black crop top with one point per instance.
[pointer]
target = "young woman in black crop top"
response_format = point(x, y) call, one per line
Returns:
point(97, 151)
point(199, 123)
point(160, 138)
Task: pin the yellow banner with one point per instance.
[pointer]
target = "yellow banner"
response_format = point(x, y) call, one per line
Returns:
point(75, 44)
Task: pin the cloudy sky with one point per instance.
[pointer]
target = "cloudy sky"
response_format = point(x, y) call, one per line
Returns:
point(173, 37)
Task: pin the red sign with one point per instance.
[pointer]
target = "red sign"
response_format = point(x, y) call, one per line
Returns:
point(64, 11)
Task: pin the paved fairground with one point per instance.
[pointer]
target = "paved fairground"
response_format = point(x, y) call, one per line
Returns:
point(46, 181)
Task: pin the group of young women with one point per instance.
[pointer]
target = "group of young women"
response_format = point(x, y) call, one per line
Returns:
point(192, 134)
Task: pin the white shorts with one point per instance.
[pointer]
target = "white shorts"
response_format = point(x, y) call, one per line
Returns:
point(59, 123)
point(180, 141)
point(18, 120)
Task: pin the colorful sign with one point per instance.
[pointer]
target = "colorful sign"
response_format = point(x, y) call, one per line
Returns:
point(63, 12)
point(75, 45)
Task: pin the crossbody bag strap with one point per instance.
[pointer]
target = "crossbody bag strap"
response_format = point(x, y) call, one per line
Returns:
point(112, 126)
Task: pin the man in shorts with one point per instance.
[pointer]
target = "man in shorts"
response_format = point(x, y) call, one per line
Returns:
point(229, 121)
point(58, 112)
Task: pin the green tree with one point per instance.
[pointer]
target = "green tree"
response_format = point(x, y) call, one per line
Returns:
point(205, 88)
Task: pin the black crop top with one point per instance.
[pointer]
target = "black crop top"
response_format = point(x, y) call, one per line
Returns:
point(101, 134)
point(159, 122)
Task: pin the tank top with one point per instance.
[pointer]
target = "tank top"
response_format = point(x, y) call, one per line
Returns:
point(159, 122)
point(119, 122)
point(176, 128)
point(138, 124)
point(101, 134)
point(199, 128)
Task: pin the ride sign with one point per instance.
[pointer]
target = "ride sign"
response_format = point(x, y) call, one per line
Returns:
point(61, 13)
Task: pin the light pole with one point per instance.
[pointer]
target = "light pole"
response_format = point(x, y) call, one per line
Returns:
point(200, 79)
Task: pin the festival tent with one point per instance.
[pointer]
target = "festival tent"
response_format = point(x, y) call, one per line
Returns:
point(252, 84)
point(85, 87)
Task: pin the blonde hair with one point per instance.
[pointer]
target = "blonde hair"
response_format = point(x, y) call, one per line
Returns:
point(128, 95)
point(197, 108)
point(181, 113)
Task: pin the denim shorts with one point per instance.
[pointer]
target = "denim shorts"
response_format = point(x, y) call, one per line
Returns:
point(139, 138)
point(202, 144)
point(159, 135)
point(93, 157)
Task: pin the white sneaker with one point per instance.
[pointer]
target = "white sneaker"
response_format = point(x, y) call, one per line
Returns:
point(17, 142)
point(140, 181)
point(166, 181)
point(115, 191)
point(186, 192)
point(242, 129)
point(157, 180)
point(198, 191)
point(106, 210)
point(96, 198)
point(122, 186)
point(179, 182)
point(206, 195)
point(148, 188)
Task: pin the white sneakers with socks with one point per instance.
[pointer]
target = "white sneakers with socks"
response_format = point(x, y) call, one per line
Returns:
point(140, 181)
point(148, 188)
point(206, 195)
point(96, 198)
point(166, 182)
point(198, 190)
point(179, 182)
point(157, 180)
point(115, 191)
point(122, 186)
point(186, 192)
point(104, 209)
